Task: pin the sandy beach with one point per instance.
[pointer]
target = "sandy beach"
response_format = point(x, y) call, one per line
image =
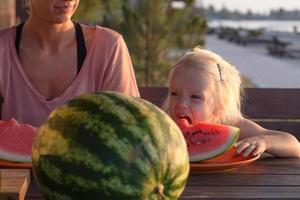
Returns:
point(254, 62)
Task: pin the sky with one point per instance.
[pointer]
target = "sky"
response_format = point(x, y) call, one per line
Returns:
point(257, 6)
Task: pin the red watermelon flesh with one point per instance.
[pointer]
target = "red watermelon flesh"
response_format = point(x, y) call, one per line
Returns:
point(16, 141)
point(207, 140)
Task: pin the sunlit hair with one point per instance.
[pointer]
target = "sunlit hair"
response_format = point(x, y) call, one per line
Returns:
point(228, 89)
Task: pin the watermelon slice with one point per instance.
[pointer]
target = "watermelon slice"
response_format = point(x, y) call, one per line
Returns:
point(16, 141)
point(206, 140)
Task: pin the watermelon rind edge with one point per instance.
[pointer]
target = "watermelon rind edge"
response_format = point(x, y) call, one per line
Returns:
point(5, 155)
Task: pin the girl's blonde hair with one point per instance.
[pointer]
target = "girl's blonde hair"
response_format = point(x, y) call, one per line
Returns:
point(228, 92)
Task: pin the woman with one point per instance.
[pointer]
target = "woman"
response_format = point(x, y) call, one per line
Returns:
point(49, 59)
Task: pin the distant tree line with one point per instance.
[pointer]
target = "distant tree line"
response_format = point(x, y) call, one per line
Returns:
point(224, 13)
point(155, 32)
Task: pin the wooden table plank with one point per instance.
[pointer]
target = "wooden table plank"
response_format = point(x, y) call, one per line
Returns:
point(232, 192)
point(243, 180)
point(281, 161)
point(268, 169)
point(265, 168)
point(14, 183)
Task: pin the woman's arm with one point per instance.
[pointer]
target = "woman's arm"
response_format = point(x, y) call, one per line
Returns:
point(256, 139)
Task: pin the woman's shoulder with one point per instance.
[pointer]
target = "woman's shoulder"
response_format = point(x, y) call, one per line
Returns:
point(99, 32)
point(100, 38)
point(110, 33)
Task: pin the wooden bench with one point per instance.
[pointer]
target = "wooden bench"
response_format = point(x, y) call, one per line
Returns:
point(277, 109)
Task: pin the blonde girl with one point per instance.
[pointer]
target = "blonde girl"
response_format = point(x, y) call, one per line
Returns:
point(204, 87)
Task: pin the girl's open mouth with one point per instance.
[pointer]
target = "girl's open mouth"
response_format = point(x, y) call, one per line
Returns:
point(183, 116)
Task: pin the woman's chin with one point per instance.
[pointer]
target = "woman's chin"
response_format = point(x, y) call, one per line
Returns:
point(62, 19)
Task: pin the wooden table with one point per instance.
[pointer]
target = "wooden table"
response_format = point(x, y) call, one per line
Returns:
point(271, 178)
point(265, 178)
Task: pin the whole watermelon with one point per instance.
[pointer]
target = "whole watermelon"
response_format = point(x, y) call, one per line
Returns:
point(110, 146)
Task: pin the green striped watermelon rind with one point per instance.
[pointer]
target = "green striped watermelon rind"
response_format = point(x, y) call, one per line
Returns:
point(60, 168)
point(234, 133)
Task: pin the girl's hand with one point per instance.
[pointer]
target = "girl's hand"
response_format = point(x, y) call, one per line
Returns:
point(252, 145)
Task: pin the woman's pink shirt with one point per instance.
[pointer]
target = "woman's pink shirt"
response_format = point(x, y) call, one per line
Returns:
point(107, 66)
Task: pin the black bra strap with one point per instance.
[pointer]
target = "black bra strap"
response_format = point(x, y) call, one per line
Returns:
point(81, 48)
point(18, 37)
